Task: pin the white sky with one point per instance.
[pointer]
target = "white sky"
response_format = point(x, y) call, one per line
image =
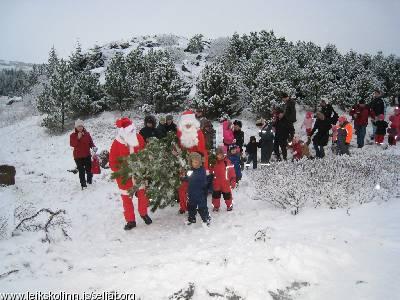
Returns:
point(29, 28)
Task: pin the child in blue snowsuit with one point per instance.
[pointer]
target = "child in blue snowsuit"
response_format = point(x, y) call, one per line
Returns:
point(234, 157)
point(197, 190)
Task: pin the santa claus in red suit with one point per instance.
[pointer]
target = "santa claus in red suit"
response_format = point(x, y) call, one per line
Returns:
point(190, 138)
point(127, 142)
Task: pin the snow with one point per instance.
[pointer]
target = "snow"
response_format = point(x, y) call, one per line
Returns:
point(251, 252)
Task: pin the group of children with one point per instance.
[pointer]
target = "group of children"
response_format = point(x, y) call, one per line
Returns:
point(227, 170)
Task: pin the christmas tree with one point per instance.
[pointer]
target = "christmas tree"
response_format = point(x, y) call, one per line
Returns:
point(158, 167)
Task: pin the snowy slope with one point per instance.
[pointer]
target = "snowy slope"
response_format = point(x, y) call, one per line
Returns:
point(255, 252)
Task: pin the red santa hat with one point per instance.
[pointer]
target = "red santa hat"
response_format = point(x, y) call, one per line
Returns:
point(309, 114)
point(188, 117)
point(342, 119)
point(126, 132)
point(123, 122)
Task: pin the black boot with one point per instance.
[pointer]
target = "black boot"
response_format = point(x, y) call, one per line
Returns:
point(147, 219)
point(130, 225)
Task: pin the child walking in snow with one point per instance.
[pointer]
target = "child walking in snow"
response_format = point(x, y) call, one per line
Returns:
point(197, 190)
point(344, 136)
point(251, 150)
point(234, 157)
point(308, 122)
point(224, 180)
point(380, 132)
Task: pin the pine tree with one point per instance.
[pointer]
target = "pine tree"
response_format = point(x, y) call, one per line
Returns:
point(116, 85)
point(78, 60)
point(95, 58)
point(218, 92)
point(195, 44)
point(157, 168)
point(52, 62)
point(87, 95)
point(55, 100)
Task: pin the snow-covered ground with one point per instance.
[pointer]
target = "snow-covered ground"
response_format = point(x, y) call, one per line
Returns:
point(254, 252)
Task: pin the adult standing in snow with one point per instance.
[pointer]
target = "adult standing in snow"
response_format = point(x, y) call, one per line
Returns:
point(127, 142)
point(329, 112)
point(377, 107)
point(266, 141)
point(321, 128)
point(149, 130)
point(289, 114)
point(190, 138)
point(282, 133)
point(82, 142)
point(360, 113)
point(209, 135)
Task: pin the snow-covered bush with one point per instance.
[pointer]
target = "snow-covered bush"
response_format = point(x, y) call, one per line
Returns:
point(167, 39)
point(339, 181)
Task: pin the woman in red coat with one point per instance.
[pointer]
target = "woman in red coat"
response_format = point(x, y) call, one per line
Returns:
point(127, 142)
point(81, 141)
point(224, 180)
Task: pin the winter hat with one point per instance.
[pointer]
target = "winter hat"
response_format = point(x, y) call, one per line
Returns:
point(253, 138)
point(188, 117)
point(78, 123)
point(342, 119)
point(309, 115)
point(238, 123)
point(381, 117)
point(126, 132)
point(169, 118)
point(163, 119)
point(150, 119)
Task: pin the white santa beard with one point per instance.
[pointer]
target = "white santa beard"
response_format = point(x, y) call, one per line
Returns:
point(128, 136)
point(189, 137)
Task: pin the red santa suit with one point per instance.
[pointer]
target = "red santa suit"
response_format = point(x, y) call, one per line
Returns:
point(127, 142)
point(192, 140)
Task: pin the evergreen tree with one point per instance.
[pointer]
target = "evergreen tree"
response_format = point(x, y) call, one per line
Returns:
point(218, 92)
point(116, 85)
point(52, 62)
point(195, 44)
point(55, 100)
point(78, 60)
point(95, 57)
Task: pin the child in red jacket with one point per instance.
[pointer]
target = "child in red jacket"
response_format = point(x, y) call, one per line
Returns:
point(297, 149)
point(224, 180)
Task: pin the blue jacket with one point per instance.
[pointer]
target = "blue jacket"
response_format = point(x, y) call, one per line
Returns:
point(197, 190)
point(235, 160)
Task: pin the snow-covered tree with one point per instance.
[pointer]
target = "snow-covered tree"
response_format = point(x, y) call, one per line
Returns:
point(78, 61)
point(196, 44)
point(95, 57)
point(218, 91)
point(52, 62)
point(116, 86)
point(55, 100)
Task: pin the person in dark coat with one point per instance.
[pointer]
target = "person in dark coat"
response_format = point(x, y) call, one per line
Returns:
point(251, 150)
point(321, 131)
point(209, 135)
point(266, 142)
point(149, 130)
point(234, 157)
point(377, 107)
point(360, 113)
point(197, 190)
point(161, 128)
point(380, 132)
point(344, 136)
point(282, 132)
point(170, 125)
point(289, 114)
point(329, 112)
point(239, 134)
point(82, 142)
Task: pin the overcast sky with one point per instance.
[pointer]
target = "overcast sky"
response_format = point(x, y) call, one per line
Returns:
point(29, 28)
